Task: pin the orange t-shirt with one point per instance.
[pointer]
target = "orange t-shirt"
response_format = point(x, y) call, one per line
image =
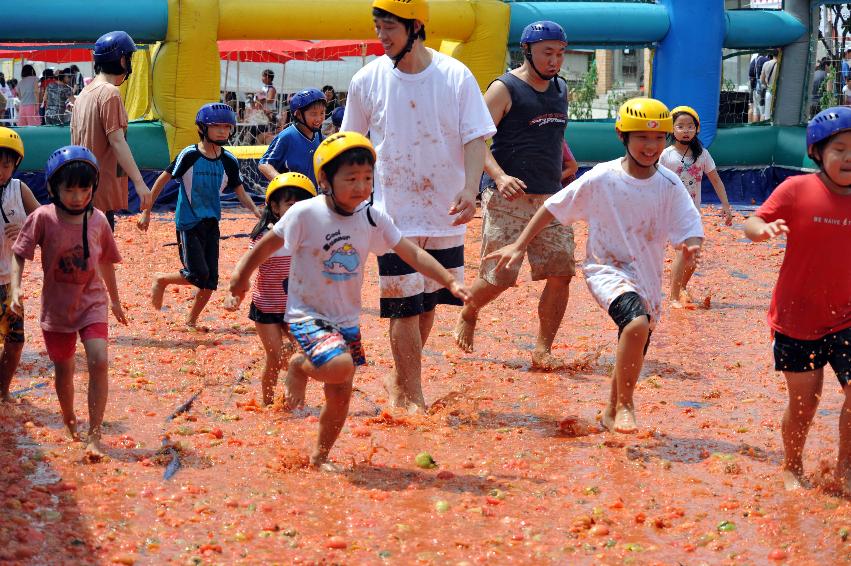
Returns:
point(99, 111)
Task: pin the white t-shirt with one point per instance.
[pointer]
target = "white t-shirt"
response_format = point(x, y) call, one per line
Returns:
point(629, 222)
point(689, 171)
point(419, 124)
point(13, 207)
point(328, 254)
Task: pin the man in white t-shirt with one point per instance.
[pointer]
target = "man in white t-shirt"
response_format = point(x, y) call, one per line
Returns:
point(428, 121)
point(633, 207)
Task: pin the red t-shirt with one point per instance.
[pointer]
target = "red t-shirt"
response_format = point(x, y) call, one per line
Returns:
point(812, 297)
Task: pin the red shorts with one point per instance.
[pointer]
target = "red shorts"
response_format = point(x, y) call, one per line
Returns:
point(61, 345)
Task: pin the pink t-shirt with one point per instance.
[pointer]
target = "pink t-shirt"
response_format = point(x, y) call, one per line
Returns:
point(74, 295)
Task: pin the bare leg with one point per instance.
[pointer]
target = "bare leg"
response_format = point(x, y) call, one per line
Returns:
point(331, 420)
point(202, 297)
point(295, 383)
point(161, 281)
point(64, 383)
point(465, 329)
point(678, 269)
point(9, 361)
point(274, 344)
point(804, 396)
point(98, 361)
point(843, 464)
point(407, 337)
point(620, 414)
point(551, 309)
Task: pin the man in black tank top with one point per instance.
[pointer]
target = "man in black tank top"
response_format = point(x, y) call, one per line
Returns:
point(529, 107)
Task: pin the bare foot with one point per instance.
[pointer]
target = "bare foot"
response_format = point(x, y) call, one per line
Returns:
point(157, 291)
point(193, 326)
point(94, 452)
point(464, 332)
point(625, 420)
point(607, 419)
point(295, 385)
point(792, 480)
point(330, 468)
point(545, 361)
point(71, 426)
point(395, 395)
point(676, 304)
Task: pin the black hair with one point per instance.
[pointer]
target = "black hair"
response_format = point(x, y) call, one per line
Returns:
point(354, 156)
point(7, 153)
point(326, 88)
point(409, 24)
point(694, 145)
point(269, 217)
point(74, 174)
point(110, 68)
point(311, 105)
point(47, 73)
point(268, 73)
point(27, 71)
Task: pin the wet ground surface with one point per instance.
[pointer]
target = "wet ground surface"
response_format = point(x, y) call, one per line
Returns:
point(525, 474)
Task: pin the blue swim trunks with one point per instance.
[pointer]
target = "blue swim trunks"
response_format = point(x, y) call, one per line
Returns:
point(322, 341)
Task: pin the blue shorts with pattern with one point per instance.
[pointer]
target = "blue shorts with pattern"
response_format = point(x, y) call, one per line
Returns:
point(323, 341)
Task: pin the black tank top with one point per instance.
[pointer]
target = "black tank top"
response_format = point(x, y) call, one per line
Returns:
point(528, 140)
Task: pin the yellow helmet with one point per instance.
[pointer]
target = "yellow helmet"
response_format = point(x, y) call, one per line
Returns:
point(335, 144)
point(292, 180)
point(687, 110)
point(644, 115)
point(405, 9)
point(10, 139)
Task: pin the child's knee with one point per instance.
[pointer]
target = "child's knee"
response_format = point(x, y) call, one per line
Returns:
point(339, 370)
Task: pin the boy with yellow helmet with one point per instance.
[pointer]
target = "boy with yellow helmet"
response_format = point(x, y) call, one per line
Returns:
point(329, 238)
point(632, 208)
point(690, 161)
point(16, 203)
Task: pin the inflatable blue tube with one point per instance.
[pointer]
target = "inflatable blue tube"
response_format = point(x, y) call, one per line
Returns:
point(687, 64)
point(594, 23)
point(747, 29)
point(84, 20)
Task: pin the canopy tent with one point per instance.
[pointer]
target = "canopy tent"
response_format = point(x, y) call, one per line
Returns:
point(47, 52)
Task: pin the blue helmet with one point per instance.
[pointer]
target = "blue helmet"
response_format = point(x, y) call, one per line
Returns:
point(304, 98)
point(337, 116)
point(112, 46)
point(215, 113)
point(65, 155)
point(827, 123)
point(543, 30)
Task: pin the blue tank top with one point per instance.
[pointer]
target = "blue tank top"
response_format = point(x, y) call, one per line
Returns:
point(528, 140)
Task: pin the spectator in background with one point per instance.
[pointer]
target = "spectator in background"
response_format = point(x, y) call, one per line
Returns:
point(269, 95)
point(28, 94)
point(818, 79)
point(846, 91)
point(767, 77)
point(59, 95)
point(47, 78)
point(76, 81)
point(844, 69)
point(331, 101)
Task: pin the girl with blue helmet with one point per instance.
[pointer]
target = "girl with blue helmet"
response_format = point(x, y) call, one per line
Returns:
point(810, 312)
point(77, 256)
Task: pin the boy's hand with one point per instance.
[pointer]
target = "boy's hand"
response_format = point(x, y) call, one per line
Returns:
point(727, 211)
point(464, 206)
point(118, 312)
point(11, 231)
point(774, 229)
point(460, 291)
point(232, 302)
point(510, 187)
point(144, 221)
point(510, 256)
point(691, 253)
point(16, 303)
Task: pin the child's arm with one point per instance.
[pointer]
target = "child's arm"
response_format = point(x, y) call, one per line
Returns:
point(246, 201)
point(240, 280)
point(125, 158)
point(29, 200)
point(512, 254)
point(423, 262)
point(16, 302)
point(145, 220)
point(721, 191)
point(107, 271)
point(758, 230)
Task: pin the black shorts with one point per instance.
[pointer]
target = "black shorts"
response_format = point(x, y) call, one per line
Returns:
point(627, 308)
point(199, 252)
point(261, 317)
point(791, 354)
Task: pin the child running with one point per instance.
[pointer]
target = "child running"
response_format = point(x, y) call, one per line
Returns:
point(632, 207)
point(690, 161)
point(329, 238)
point(810, 312)
point(269, 297)
point(16, 203)
point(77, 257)
point(203, 171)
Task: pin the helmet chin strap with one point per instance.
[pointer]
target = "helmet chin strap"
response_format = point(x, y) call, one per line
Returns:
point(342, 212)
point(220, 143)
point(408, 46)
point(304, 123)
point(637, 162)
point(77, 212)
point(528, 54)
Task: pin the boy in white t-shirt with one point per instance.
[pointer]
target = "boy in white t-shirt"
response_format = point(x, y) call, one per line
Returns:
point(330, 237)
point(633, 208)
